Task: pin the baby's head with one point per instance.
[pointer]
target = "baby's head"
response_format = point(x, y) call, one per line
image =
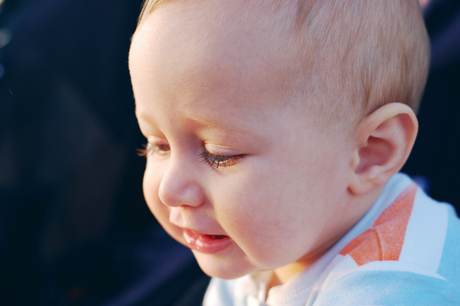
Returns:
point(271, 124)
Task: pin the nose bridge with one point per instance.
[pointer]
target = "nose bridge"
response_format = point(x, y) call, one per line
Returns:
point(180, 185)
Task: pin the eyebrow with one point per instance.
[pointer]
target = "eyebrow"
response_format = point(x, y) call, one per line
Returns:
point(212, 121)
point(203, 121)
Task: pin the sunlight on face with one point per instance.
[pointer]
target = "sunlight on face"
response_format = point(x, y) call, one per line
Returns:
point(233, 171)
point(424, 3)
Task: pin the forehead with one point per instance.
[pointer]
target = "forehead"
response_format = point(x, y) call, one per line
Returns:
point(191, 56)
point(228, 40)
point(226, 54)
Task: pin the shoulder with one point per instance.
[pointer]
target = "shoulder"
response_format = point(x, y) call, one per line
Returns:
point(413, 229)
point(389, 287)
point(449, 266)
point(409, 256)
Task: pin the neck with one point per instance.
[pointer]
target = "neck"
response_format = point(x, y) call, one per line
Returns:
point(361, 206)
point(283, 274)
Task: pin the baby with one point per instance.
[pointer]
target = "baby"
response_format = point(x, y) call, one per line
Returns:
point(275, 132)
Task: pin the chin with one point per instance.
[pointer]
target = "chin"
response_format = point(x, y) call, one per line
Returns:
point(224, 267)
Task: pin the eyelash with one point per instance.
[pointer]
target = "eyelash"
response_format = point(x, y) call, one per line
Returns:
point(207, 157)
point(148, 149)
point(216, 161)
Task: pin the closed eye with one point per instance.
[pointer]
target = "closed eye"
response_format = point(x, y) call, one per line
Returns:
point(217, 161)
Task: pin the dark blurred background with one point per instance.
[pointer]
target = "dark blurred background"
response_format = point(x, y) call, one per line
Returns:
point(74, 227)
point(435, 159)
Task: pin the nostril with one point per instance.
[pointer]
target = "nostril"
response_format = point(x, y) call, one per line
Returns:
point(175, 194)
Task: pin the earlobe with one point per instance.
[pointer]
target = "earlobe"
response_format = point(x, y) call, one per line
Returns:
point(383, 141)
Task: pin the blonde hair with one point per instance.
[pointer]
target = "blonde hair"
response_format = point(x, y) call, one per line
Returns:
point(147, 8)
point(369, 52)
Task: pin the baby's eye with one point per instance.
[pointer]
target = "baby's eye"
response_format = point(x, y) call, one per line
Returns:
point(217, 161)
point(149, 149)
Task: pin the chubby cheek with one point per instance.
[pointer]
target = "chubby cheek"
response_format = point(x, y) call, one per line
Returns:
point(278, 215)
point(254, 214)
point(266, 238)
point(151, 184)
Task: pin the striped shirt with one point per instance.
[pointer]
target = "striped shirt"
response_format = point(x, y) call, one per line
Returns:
point(404, 251)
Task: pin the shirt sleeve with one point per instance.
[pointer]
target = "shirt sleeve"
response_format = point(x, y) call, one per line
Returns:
point(389, 288)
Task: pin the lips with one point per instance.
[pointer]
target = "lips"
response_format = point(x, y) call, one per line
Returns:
point(206, 243)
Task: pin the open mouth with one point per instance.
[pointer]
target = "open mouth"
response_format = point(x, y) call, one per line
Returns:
point(206, 243)
point(218, 236)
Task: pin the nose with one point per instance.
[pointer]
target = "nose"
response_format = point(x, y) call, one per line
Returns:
point(180, 185)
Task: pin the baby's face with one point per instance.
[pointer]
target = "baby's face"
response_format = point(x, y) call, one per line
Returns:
point(234, 171)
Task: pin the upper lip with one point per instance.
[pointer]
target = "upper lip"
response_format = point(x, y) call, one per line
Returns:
point(201, 226)
point(205, 232)
point(200, 231)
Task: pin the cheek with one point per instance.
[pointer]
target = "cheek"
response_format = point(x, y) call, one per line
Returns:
point(152, 180)
point(278, 214)
point(256, 211)
point(151, 184)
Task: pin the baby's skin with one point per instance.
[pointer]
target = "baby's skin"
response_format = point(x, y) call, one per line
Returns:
point(241, 168)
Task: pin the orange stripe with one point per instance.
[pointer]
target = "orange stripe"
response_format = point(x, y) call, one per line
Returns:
point(385, 239)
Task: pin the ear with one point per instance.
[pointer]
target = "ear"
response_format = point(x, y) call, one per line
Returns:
point(383, 141)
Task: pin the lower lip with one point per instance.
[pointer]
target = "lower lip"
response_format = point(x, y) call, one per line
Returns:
point(205, 243)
